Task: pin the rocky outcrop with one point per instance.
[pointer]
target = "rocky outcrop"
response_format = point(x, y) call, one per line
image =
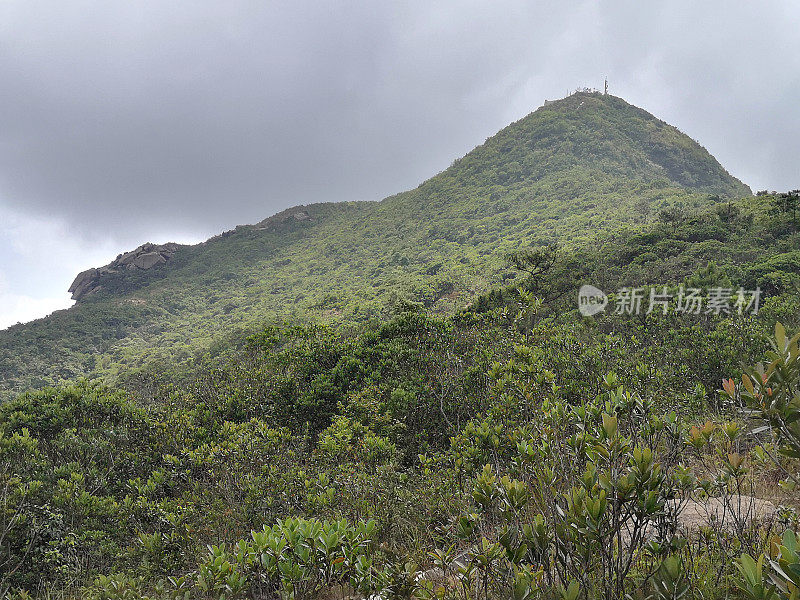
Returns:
point(83, 283)
point(144, 257)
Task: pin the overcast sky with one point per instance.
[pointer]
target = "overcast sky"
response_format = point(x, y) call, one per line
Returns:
point(127, 122)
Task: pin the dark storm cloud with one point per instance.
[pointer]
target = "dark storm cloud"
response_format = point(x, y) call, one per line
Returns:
point(156, 117)
point(204, 114)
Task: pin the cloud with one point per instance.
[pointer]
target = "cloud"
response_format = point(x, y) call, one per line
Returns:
point(15, 308)
point(203, 115)
point(39, 261)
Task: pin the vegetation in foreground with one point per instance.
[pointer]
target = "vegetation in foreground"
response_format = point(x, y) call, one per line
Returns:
point(512, 450)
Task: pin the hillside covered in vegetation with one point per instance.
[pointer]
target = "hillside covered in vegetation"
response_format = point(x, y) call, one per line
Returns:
point(510, 450)
point(402, 399)
point(574, 169)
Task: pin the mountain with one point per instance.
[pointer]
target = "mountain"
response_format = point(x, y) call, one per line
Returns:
point(574, 169)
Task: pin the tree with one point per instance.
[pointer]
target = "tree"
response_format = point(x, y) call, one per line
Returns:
point(787, 204)
point(672, 216)
point(19, 530)
point(772, 395)
point(550, 272)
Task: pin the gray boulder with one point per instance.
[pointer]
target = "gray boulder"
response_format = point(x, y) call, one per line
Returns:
point(149, 260)
point(82, 278)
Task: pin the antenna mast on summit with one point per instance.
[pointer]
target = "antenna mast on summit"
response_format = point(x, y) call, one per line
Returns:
point(606, 92)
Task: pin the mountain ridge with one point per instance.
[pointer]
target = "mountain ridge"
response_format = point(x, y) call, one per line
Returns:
point(574, 102)
point(651, 159)
point(578, 166)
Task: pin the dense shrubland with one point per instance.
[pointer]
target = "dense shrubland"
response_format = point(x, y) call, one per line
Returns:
point(512, 449)
point(504, 452)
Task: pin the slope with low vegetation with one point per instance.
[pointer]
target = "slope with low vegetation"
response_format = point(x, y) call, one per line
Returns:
point(576, 168)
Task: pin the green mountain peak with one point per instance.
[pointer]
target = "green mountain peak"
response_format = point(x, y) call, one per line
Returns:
point(602, 133)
